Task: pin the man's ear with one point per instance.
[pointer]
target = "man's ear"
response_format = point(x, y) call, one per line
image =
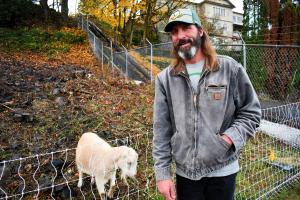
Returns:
point(200, 31)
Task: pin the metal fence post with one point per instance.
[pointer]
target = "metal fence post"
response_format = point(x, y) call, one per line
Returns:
point(78, 24)
point(151, 60)
point(87, 23)
point(111, 56)
point(81, 21)
point(102, 55)
point(245, 59)
point(94, 42)
point(126, 62)
point(244, 51)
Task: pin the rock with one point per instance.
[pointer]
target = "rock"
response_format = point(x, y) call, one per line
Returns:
point(7, 172)
point(28, 167)
point(60, 101)
point(15, 146)
point(36, 149)
point(20, 188)
point(27, 117)
point(55, 91)
point(79, 74)
point(122, 142)
point(89, 75)
point(63, 192)
point(21, 116)
point(43, 96)
point(17, 117)
point(45, 181)
point(37, 84)
point(105, 134)
point(57, 163)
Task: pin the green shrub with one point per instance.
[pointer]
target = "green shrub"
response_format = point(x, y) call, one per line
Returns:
point(16, 12)
point(39, 40)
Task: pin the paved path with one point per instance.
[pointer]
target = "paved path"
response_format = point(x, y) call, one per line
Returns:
point(281, 131)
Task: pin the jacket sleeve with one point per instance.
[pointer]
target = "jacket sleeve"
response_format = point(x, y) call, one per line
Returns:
point(162, 133)
point(247, 112)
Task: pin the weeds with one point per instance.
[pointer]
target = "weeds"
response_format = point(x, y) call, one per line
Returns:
point(39, 41)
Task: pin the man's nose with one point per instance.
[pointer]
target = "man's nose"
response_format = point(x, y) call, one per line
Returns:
point(181, 34)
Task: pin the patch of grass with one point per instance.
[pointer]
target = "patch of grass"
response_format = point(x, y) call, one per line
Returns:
point(290, 193)
point(39, 40)
point(259, 172)
point(161, 62)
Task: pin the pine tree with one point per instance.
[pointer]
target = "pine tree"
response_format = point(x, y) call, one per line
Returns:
point(246, 19)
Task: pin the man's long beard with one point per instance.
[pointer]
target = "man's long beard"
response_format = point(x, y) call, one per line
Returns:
point(188, 53)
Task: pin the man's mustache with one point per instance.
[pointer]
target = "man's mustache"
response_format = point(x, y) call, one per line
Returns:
point(182, 42)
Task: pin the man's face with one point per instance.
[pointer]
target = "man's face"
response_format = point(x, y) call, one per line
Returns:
point(186, 39)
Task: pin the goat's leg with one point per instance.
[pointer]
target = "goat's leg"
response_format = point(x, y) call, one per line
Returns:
point(100, 186)
point(92, 179)
point(123, 176)
point(80, 177)
point(112, 184)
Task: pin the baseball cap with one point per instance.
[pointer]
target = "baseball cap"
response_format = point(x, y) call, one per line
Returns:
point(185, 15)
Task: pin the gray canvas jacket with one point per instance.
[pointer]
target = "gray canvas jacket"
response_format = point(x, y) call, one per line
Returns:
point(188, 124)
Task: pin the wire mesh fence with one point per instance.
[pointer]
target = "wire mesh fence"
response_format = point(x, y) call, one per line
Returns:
point(273, 70)
point(269, 162)
point(54, 175)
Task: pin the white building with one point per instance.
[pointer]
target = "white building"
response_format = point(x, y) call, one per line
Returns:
point(220, 13)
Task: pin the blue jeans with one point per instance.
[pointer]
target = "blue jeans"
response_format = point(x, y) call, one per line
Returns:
point(207, 188)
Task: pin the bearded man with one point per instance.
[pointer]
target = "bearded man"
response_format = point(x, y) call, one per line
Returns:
point(205, 110)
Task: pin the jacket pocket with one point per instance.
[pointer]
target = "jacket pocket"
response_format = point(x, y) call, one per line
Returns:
point(216, 93)
point(223, 142)
point(213, 150)
point(213, 106)
point(181, 148)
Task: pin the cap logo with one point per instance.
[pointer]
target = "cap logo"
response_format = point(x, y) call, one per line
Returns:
point(176, 15)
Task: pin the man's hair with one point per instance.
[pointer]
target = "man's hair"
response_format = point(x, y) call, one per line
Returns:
point(209, 52)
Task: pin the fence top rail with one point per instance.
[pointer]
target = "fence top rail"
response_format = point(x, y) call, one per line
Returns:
point(229, 45)
point(164, 43)
point(261, 45)
point(81, 13)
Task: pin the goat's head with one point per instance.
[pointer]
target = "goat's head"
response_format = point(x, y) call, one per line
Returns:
point(127, 161)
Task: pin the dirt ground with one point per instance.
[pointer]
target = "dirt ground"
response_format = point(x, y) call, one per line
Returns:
point(47, 103)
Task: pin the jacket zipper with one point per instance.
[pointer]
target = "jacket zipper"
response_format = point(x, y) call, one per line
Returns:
point(195, 96)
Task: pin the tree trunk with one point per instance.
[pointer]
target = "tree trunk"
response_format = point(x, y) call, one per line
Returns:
point(64, 9)
point(45, 7)
point(148, 16)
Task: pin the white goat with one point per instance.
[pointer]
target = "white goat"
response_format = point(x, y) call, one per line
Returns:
point(97, 158)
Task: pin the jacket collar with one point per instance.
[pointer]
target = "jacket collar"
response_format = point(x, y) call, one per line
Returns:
point(180, 69)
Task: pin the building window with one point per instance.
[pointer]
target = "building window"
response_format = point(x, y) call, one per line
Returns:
point(234, 19)
point(219, 11)
point(240, 19)
point(225, 27)
point(237, 19)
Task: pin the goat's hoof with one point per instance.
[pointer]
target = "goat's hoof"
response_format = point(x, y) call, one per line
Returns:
point(110, 194)
point(79, 184)
point(102, 196)
point(93, 180)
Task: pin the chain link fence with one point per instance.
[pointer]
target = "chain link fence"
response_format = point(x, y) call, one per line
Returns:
point(119, 60)
point(273, 69)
